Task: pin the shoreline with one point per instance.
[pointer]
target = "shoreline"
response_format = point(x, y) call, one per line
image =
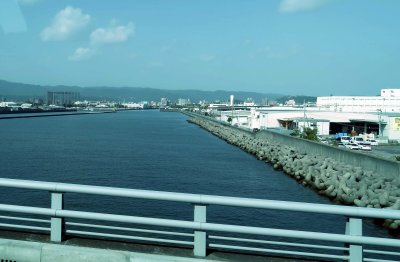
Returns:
point(342, 183)
point(32, 115)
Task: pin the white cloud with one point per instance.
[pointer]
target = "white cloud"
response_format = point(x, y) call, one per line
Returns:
point(112, 34)
point(65, 24)
point(81, 53)
point(102, 36)
point(293, 6)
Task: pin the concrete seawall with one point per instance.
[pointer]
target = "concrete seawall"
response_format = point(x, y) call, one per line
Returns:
point(338, 174)
point(385, 167)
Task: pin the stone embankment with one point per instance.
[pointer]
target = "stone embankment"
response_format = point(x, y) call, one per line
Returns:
point(345, 184)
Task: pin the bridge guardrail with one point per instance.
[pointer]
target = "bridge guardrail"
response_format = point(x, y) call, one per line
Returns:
point(352, 238)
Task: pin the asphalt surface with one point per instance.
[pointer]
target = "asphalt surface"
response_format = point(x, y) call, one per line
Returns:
point(386, 151)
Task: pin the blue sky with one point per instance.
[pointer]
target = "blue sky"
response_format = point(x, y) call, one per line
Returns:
point(304, 47)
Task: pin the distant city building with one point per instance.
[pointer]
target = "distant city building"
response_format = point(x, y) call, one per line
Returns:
point(36, 101)
point(62, 98)
point(232, 100)
point(217, 105)
point(249, 102)
point(8, 104)
point(203, 103)
point(183, 102)
point(153, 104)
point(390, 92)
point(133, 105)
point(26, 105)
point(264, 101)
point(164, 102)
point(290, 102)
point(388, 101)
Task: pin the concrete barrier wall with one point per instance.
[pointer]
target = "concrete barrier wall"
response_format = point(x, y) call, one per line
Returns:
point(212, 119)
point(384, 167)
point(29, 251)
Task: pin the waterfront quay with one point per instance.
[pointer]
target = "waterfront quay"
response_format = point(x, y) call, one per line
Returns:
point(344, 176)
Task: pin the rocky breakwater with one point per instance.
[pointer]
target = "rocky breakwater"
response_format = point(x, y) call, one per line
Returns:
point(345, 184)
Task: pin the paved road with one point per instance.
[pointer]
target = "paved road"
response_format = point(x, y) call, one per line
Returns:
point(386, 151)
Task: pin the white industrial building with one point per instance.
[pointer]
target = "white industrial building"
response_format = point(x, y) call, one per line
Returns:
point(292, 119)
point(388, 101)
point(8, 104)
point(386, 125)
point(368, 115)
point(240, 118)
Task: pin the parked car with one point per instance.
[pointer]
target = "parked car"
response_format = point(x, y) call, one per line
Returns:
point(373, 142)
point(357, 140)
point(352, 146)
point(364, 146)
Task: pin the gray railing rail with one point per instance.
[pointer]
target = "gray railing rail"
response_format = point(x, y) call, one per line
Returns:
point(352, 237)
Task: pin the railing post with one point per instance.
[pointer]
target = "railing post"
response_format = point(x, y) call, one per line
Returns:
point(200, 237)
point(354, 228)
point(57, 224)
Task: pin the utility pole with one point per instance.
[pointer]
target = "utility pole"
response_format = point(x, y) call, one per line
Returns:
point(379, 121)
point(304, 115)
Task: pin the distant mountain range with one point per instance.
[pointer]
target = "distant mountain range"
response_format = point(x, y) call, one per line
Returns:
point(20, 91)
point(11, 90)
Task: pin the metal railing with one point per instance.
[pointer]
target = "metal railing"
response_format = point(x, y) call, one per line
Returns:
point(352, 239)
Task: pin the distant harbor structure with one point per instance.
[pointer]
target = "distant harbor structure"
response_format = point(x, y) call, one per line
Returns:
point(62, 98)
point(367, 116)
point(388, 101)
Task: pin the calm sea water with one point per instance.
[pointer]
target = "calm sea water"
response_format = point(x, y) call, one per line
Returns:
point(155, 151)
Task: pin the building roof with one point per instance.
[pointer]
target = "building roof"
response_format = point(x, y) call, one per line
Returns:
point(391, 114)
point(301, 119)
point(368, 120)
point(236, 113)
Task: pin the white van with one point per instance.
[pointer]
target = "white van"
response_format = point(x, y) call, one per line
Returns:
point(357, 140)
point(373, 142)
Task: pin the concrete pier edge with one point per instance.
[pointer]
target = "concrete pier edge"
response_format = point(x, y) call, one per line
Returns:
point(343, 176)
